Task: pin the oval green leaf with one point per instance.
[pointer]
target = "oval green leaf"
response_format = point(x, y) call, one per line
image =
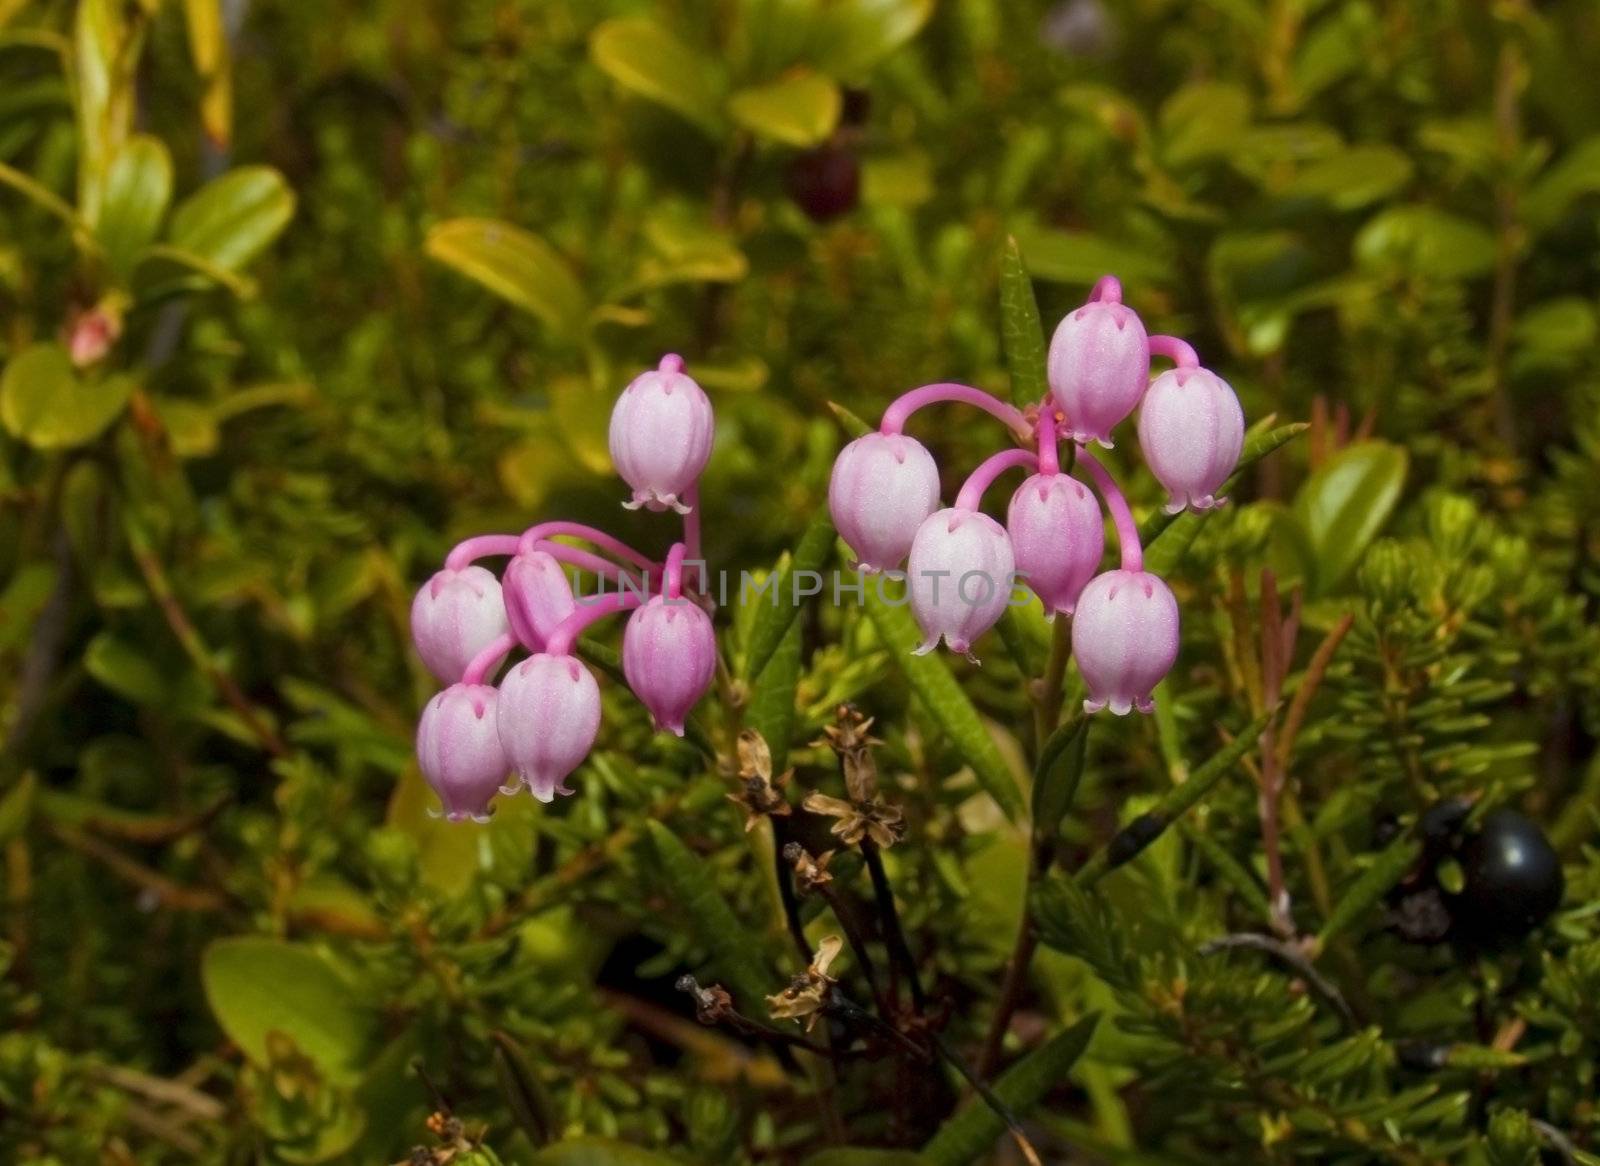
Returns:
point(515, 265)
point(801, 110)
point(43, 401)
point(234, 218)
point(644, 58)
point(1344, 505)
point(138, 189)
point(1426, 243)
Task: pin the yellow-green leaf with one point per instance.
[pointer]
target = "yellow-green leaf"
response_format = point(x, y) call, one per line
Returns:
point(43, 402)
point(1344, 505)
point(854, 35)
point(641, 56)
point(514, 264)
point(801, 110)
point(138, 189)
point(232, 219)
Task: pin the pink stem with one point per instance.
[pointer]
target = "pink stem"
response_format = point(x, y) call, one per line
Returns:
point(1049, 455)
point(480, 664)
point(691, 531)
point(672, 588)
point(589, 561)
point(1121, 516)
point(568, 631)
point(612, 546)
point(1175, 350)
point(971, 496)
point(1108, 289)
point(900, 410)
point(480, 547)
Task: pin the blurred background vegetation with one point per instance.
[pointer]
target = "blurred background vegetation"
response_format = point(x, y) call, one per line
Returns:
point(292, 296)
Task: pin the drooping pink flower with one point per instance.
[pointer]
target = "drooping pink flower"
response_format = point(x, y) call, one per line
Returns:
point(537, 597)
point(1191, 430)
point(458, 748)
point(661, 431)
point(961, 573)
point(669, 655)
point(549, 715)
point(456, 615)
point(1058, 536)
point(1125, 639)
point(1098, 365)
point(883, 486)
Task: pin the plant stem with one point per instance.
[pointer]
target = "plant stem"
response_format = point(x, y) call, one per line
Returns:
point(1175, 350)
point(1010, 991)
point(900, 411)
point(894, 934)
point(990, 1099)
point(858, 945)
point(971, 494)
point(1121, 516)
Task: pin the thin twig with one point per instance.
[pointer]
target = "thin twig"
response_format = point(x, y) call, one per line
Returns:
point(171, 894)
point(894, 934)
point(990, 1099)
point(1010, 995)
point(1290, 955)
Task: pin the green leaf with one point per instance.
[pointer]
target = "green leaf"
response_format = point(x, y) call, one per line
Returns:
point(864, 1156)
point(1080, 257)
point(108, 40)
point(854, 35)
point(138, 189)
point(735, 952)
point(970, 1134)
point(1575, 175)
point(232, 219)
point(1133, 838)
point(525, 1096)
point(1056, 777)
point(641, 56)
point(947, 703)
point(43, 401)
point(1425, 243)
point(801, 110)
point(16, 808)
point(1344, 505)
point(47, 200)
point(257, 986)
point(1353, 178)
point(1020, 329)
point(1204, 119)
point(773, 617)
point(598, 1152)
point(1375, 882)
point(515, 265)
point(771, 711)
point(163, 255)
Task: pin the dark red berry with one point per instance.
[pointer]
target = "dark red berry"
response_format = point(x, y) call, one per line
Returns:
point(825, 182)
point(1512, 878)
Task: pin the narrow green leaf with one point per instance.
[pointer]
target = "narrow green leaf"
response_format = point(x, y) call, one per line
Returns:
point(232, 219)
point(970, 1134)
point(598, 1152)
point(641, 56)
point(525, 1096)
point(771, 711)
point(16, 808)
point(947, 703)
point(1344, 505)
point(1056, 777)
point(1128, 842)
point(138, 189)
point(852, 424)
point(258, 987)
point(864, 1156)
point(1257, 445)
point(801, 110)
point(735, 952)
point(515, 265)
point(777, 613)
point(1374, 883)
point(1020, 329)
point(49, 201)
point(45, 403)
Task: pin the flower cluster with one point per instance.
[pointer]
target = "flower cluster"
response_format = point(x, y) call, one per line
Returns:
point(961, 564)
point(540, 722)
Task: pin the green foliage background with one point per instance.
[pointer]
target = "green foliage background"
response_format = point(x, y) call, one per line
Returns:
point(368, 276)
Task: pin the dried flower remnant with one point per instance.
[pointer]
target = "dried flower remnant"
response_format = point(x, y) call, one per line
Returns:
point(811, 991)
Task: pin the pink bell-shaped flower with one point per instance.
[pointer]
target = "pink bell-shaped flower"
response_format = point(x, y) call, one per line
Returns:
point(537, 596)
point(960, 576)
point(883, 486)
point(549, 715)
point(669, 655)
point(1058, 536)
point(458, 748)
point(1125, 639)
point(456, 615)
point(661, 430)
point(1098, 365)
point(1191, 430)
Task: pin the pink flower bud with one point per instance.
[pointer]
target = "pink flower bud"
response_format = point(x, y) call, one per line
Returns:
point(669, 655)
point(549, 715)
point(882, 488)
point(458, 747)
point(456, 615)
point(961, 572)
point(1099, 363)
point(538, 597)
point(1125, 639)
point(1058, 536)
point(661, 431)
point(1191, 430)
